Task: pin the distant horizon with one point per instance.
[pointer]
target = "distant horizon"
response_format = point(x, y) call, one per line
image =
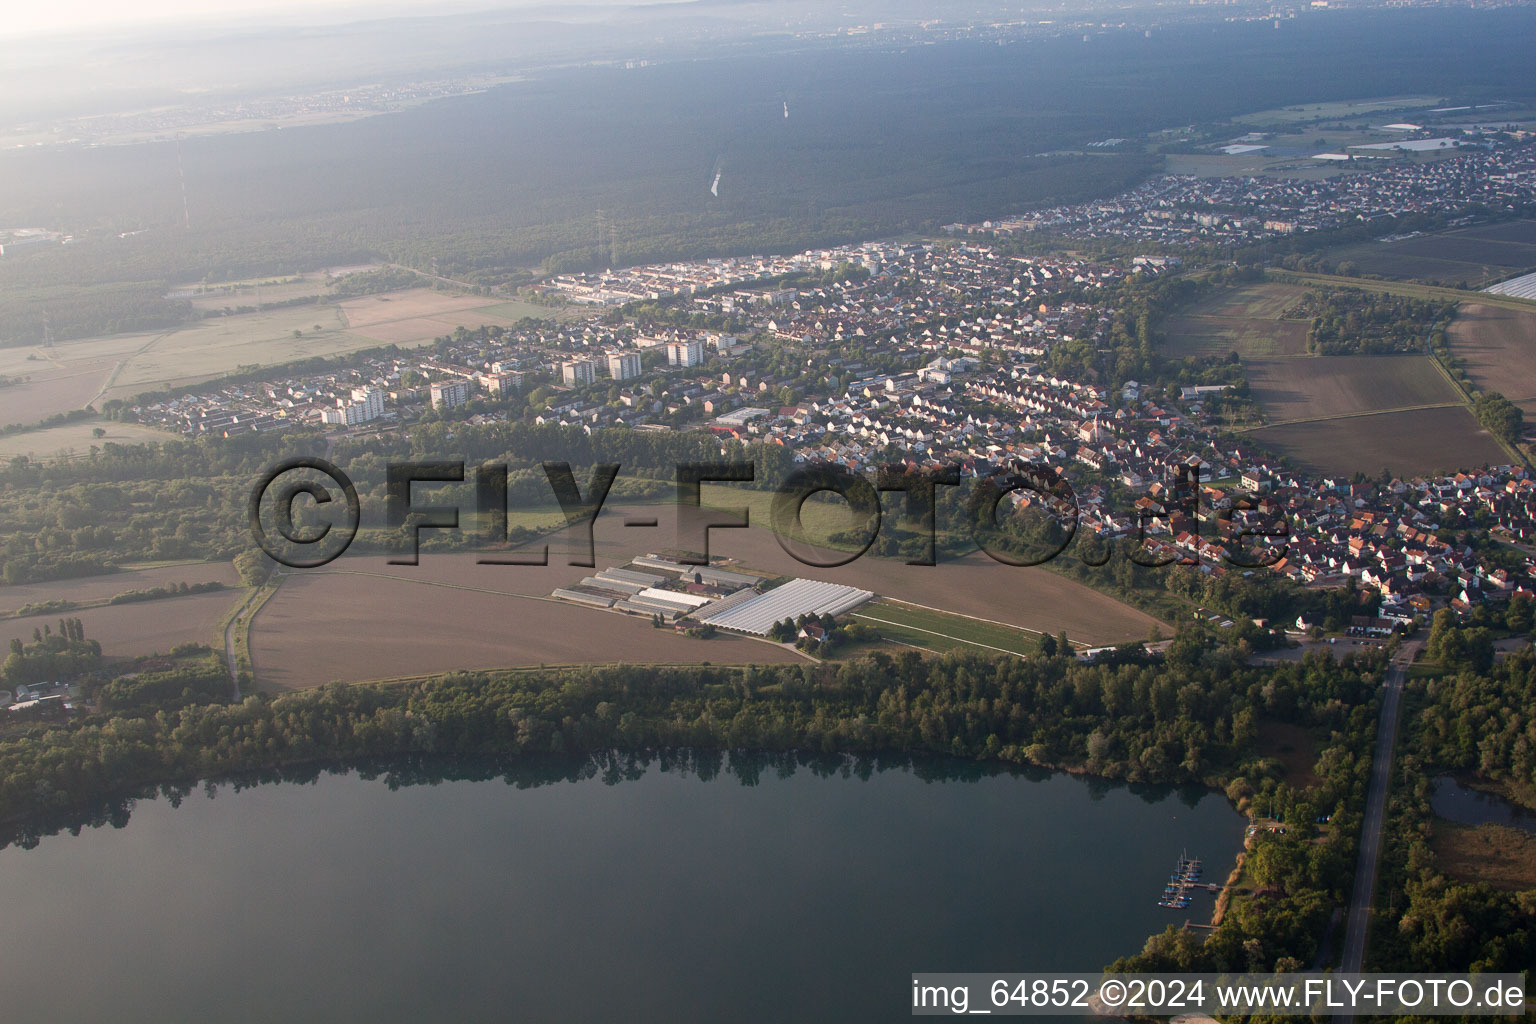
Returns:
point(85, 17)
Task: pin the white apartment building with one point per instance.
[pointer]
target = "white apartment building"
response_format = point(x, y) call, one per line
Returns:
point(684, 353)
point(450, 394)
point(623, 365)
point(577, 372)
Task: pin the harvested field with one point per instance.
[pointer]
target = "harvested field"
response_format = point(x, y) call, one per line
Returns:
point(388, 307)
point(335, 623)
point(75, 373)
point(75, 439)
point(144, 627)
point(100, 588)
point(324, 626)
point(219, 345)
point(416, 316)
point(1265, 300)
point(1336, 414)
point(1423, 441)
point(1251, 339)
point(51, 388)
point(1522, 231)
point(1498, 347)
point(1328, 386)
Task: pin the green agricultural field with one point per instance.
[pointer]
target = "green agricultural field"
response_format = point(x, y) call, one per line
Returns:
point(819, 519)
point(926, 627)
point(1221, 165)
point(905, 636)
point(1411, 289)
point(1245, 320)
point(1474, 256)
point(515, 309)
point(255, 292)
point(1338, 110)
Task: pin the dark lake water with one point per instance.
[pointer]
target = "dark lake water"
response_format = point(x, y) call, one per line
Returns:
point(808, 896)
point(1455, 801)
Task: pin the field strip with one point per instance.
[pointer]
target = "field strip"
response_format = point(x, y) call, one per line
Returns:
point(1466, 398)
point(1244, 317)
point(962, 615)
point(434, 277)
point(111, 377)
point(423, 583)
point(237, 631)
point(497, 593)
point(1411, 289)
point(121, 363)
point(930, 632)
point(764, 640)
point(1353, 415)
point(915, 647)
point(563, 666)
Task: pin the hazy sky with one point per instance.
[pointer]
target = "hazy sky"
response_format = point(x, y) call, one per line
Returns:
point(91, 15)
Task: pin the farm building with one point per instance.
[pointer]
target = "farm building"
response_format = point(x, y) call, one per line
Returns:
point(794, 599)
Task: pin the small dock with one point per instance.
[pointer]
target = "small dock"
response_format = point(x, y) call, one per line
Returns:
point(1185, 878)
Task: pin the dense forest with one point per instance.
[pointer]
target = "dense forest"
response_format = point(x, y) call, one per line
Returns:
point(582, 168)
point(1191, 720)
point(1475, 718)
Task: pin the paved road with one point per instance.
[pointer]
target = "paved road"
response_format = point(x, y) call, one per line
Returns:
point(1375, 813)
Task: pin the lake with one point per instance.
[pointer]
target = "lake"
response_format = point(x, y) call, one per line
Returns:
point(1455, 801)
point(643, 894)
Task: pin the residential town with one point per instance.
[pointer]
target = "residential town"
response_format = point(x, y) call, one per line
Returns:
point(1178, 210)
point(927, 354)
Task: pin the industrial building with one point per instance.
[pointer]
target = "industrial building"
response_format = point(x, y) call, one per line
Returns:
point(658, 585)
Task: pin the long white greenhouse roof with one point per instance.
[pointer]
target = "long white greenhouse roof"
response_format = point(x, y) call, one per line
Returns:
point(792, 600)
